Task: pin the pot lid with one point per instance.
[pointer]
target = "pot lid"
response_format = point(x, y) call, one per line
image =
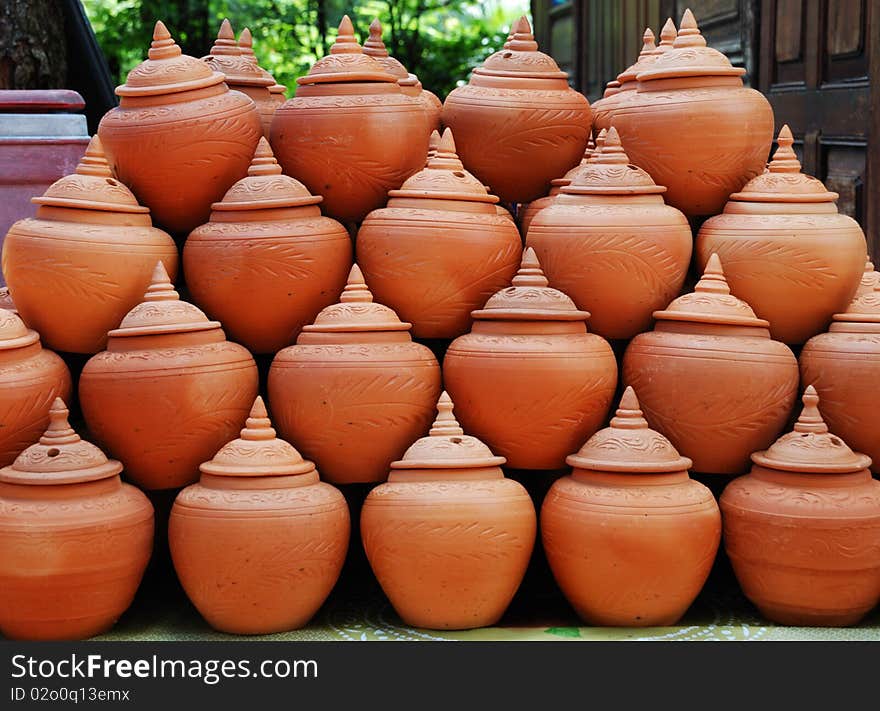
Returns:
point(609, 172)
point(447, 446)
point(647, 56)
point(265, 187)
point(246, 47)
point(520, 58)
point(690, 57)
point(811, 448)
point(783, 180)
point(862, 309)
point(629, 445)
point(346, 62)
point(167, 70)
point(530, 298)
point(92, 186)
point(239, 69)
point(258, 452)
point(711, 302)
point(374, 47)
point(60, 456)
point(356, 311)
point(162, 312)
point(13, 332)
point(444, 178)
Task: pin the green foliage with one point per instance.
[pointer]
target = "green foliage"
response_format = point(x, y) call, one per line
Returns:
point(439, 40)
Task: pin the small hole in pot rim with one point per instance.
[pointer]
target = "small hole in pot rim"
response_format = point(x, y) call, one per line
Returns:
point(836, 441)
point(110, 181)
point(54, 452)
point(458, 174)
point(455, 440)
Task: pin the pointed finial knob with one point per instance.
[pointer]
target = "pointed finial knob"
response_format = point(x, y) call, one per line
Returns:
point(163, 45)
point(94, 162)
point(688, 32)
point(530, 272)
point(785, 160)
point(600, 139)
point(433, 143)
point(161, 288)
point(264, 162)
point(667, 35)
point(59, 430)
point(356, 290)
point(523, 40)
point(713, 279)
point(246, 42)
point(345, 40)
point(225, 43)
point(446, 157)
point(648, 45)
point(611, 152)
point(445, 425)
point(629, 414)
point(810, 419)
point(374, 46)
point(258, 426)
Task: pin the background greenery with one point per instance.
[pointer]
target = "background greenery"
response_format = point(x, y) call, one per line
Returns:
point(439, 40)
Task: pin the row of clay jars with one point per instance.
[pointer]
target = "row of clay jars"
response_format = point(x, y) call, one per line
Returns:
point(611, 243)
point(693, 126)
point(439, 249)
point(168, 391)
point(517, 122)
point(179, 137)
point(350, 134)
point(74, 540)
point(786, 249)
point(267, 261)
point(85, 259)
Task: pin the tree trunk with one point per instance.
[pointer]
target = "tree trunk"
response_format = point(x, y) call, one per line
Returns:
point(33, 50)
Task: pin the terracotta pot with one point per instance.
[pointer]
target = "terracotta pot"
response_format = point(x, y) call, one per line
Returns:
point(276, 90)
point(168, 391)
point(710, 377)
point(259, 541)
point(409, 83)
point(242, 73)
point(448, 537)
point(439, 249)
point(267, 262)
point(355, 389)
point(86, 258)
point(786, 249)
point(844, 367)
point(802, 530)
point(626, 86)
point(31, 377)
point(74, 540)
point(611, 243)
point(350, 133)
point(528, 211)
point(179, 137)
point(529, 379)
point(517, 122)
point(629, 536)
point(693, 125)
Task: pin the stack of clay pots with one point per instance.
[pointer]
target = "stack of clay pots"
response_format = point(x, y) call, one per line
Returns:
point(356, 273)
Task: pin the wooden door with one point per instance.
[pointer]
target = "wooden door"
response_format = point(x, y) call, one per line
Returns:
point(817, 61)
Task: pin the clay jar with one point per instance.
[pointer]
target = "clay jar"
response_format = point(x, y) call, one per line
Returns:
point(786, 250)
point(529, 379)
point(802, 530)
point(409, 83)
point(168, 391)
point(267, 262)
point(31, 377)
point(844, 367)
point(517, 122)
point(74, 540)
point(259, 541)
point(276, 90)
point(710, 377)
point(179, 137)
point(242, 73)
point(693, 125)
point(86, 258)
point(448, 536)
point(629, 536)
point(611, 243)
point(350, 133)
point(438, 250)
point(355, 389)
